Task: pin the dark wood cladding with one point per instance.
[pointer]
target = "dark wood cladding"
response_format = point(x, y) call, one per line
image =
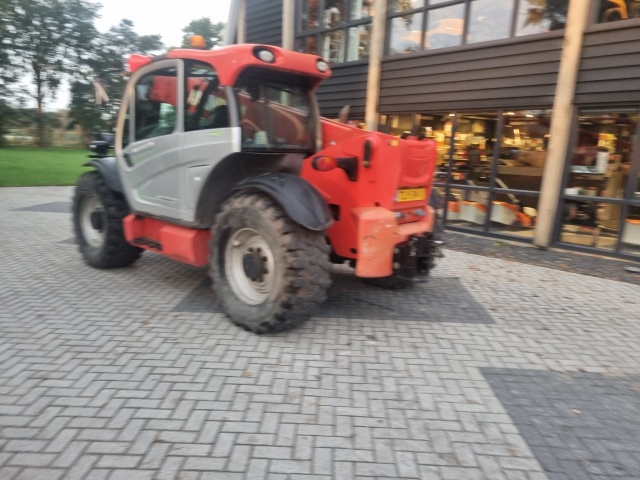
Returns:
point(610, 65)
point(347, 86)
point(510, 73)
point(264, 22)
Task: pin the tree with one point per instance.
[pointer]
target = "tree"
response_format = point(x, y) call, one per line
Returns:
point(83, 110)
point(7, 74)
point(111, 50)
point(49, 39)
point(212, 32)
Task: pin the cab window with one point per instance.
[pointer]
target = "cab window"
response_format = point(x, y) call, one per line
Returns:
point(275, 111)
point(155, 104)
point(205, 100)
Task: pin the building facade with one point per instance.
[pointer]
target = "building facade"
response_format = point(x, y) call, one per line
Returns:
point(534, 104)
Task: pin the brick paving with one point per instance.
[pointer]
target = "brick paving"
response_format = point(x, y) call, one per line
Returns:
point(495, 369)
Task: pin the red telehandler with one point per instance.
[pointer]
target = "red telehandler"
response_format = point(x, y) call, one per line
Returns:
point(221, 158)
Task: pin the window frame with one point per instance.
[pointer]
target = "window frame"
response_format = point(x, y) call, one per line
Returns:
point(427, 7)
point(321, 31)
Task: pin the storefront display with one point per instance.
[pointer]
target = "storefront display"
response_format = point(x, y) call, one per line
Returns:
point(505, 166)
point(600, 168)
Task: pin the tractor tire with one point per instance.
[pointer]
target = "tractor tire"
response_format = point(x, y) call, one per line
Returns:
point(98, 212)
point(269, 273)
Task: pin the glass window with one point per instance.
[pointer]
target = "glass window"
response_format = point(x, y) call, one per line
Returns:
point(307, 45)
point(345, 24)
point(473, 145)
point(438, 128)
point(333, 46)
point(404, 5)
point(456, 22)
point(275, 111)
point(406, 33)
point(489, 20)
point(513, 214)
point(335, 13)
point(536, 17)
point(601, 160)
point(580, 225)
point(362, 9)
point(467, 144)
point(444, 27)
point(523, 149)
point(631, 231)
point(400, 124)
point(309, 17)
point(359, 41)
point(600, 169)
point(467, 208)
point(635, 187)
point(206, 102)
point(156, 104)
point(614, 10)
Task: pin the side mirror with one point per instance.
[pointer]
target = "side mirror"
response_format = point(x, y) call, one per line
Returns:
point(99, 147)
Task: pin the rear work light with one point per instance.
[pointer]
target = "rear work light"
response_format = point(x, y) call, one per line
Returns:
point(348, 164)
point(265, 55)
point(324, 164)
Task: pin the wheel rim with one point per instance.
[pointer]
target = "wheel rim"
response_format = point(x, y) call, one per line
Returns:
point(92, 234)
point(249, 266)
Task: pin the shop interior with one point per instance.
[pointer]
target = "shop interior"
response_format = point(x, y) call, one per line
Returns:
point(476, 199)
point(503, 199)
point(601, 188)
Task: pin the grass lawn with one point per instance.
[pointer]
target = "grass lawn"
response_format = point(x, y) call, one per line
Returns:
point(26, 167)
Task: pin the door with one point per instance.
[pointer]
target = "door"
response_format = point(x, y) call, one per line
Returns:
point(150, 140)
point(208, 136)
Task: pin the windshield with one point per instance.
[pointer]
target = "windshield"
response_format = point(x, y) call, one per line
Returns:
point(276, 113)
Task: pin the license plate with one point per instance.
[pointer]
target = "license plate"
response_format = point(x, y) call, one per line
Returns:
point(411, 194)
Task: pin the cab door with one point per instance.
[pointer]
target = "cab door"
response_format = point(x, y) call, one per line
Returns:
point(149, 142)
point(209, 137)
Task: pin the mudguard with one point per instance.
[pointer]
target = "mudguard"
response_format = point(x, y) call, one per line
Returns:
point(299, 199)
point(108, 168)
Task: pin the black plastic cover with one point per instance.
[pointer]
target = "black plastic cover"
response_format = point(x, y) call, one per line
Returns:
point(299, 199)
point(108, 168)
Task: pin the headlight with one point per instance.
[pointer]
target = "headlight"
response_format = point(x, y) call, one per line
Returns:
point(322, 66)
point(265, 55)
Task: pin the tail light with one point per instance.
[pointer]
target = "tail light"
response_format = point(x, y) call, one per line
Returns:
point(324, 164)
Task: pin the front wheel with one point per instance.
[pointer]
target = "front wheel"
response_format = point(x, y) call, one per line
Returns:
point(98, 213)
point(269, 273)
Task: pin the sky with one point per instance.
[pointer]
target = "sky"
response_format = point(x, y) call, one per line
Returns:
point(164, 17)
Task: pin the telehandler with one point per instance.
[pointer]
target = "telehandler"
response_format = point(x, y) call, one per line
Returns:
point(222, 159)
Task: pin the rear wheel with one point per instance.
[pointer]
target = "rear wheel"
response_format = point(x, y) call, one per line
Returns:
point(269, 273)
point(98, 212)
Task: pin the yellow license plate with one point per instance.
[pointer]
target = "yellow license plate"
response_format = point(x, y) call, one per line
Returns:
point(411, 194)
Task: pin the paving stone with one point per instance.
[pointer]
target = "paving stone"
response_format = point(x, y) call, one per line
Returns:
point(51, 207)
point(584, 411)
point(494, 369)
